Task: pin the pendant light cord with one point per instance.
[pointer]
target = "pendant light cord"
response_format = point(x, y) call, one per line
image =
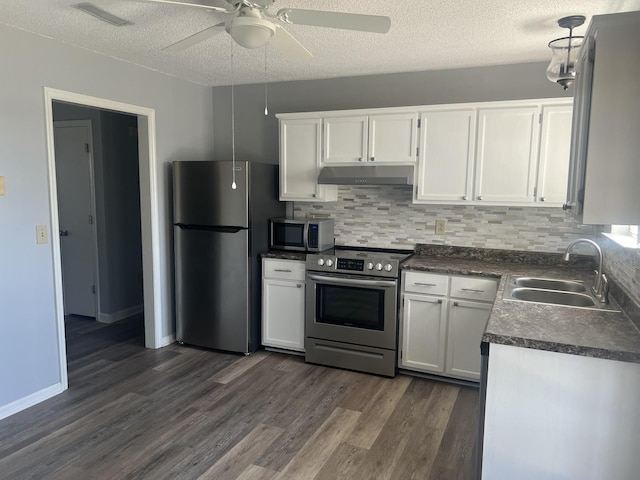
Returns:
point(266, 108)
point(233, 126)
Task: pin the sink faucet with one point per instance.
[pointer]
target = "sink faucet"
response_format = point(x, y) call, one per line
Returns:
point(600, 286)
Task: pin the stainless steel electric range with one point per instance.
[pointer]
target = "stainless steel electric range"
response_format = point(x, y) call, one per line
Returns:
point(351, 310)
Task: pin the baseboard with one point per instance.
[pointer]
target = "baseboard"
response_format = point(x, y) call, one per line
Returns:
point(120, 315)
point(30, 400)
point(168, 340)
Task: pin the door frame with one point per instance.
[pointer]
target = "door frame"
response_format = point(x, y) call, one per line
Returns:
point(92, 186)
point(149, 210)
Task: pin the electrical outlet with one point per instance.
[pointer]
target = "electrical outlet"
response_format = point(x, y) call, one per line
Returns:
point(41, 234)
point(1, 185)
point(440, 226)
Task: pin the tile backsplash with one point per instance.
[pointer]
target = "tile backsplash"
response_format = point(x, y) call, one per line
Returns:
point(622, 264)
point(384, 217)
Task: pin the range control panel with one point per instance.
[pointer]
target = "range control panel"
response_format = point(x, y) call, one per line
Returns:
point(377, 264)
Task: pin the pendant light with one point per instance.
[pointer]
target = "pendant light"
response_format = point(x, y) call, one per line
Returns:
point(562, 69)
point(266, 108)
point(233, 127)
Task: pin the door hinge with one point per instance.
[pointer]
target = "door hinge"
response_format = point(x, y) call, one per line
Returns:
point(540, 118)
point(86, 147)
point(90, 219)
point(419, 122)
point(535, 192)
point(417, 151)
point(400, 354)
point(93, 289)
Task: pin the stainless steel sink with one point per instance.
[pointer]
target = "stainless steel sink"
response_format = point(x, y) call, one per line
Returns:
point(550, 284)
point(567, 293)
point(570, 299)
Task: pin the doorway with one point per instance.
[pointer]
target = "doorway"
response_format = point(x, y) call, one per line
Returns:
point(150, 235)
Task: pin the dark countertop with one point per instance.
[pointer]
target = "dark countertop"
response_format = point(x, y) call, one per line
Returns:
point(585, 332)
point(284, 255)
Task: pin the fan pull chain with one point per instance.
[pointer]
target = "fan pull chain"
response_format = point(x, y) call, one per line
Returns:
point(266, 108)
point(233, 127)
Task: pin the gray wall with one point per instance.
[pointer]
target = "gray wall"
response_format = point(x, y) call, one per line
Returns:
point(29, 356)
point(257, 134)
point(117, 193)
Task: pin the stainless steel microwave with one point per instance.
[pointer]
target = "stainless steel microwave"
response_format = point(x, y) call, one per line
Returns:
point(302, 235)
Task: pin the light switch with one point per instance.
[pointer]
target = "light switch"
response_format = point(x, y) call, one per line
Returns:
point(41, 234)
point(1, 185)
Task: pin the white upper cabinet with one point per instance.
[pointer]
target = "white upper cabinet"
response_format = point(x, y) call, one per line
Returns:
point(555, 142)
point(507, 154)
point(393, 138)
point(300, 154)
point(387, 138)
point(447, 152)
point(345, 139)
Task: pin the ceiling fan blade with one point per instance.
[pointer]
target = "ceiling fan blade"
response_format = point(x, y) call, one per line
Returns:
point(186, 4)
point(288, 46)
point(195, 38)
point(346, 21)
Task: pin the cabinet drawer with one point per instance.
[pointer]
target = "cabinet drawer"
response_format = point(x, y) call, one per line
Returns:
point(284, 269)
point(474, 288)
point(431, 283)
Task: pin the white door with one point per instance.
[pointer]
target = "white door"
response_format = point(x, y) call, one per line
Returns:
point(283, 314)
point(424, 329)
point(447, 150)
point(507, 154)
point(74, 175)
point(553, 171)
point(393, 138)
point(345, 139)
point(467, 321)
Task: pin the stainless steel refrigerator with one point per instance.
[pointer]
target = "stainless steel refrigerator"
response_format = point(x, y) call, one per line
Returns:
point(218, 235)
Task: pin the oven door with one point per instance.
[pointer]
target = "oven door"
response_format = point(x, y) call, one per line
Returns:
point(352, 309)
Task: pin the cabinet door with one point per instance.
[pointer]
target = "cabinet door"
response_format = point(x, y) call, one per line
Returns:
point(345, 140)
point(300, 150)
point(445, 166)
point(507, 154)
point(283, 314)
point(393, 138)
point(424, 328)
point(553, 167)
point(466, 324)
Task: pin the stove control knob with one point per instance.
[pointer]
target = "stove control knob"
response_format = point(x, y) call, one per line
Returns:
point(388, 267)
point(370, 266)
point(329, 263)
point(378, 266)
point(321, 261)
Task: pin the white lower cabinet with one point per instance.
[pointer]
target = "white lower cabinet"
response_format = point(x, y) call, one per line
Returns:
point(443, 319)
point(283, 290)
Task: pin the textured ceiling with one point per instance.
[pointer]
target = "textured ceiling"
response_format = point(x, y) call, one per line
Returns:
point(424, 35)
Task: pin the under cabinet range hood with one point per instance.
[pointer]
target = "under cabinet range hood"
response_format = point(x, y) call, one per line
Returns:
point(367, 175)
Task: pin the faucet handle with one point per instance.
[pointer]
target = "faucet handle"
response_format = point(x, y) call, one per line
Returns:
point(604, 296)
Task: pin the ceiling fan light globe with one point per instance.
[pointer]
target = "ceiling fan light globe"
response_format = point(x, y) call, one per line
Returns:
point(251, 32)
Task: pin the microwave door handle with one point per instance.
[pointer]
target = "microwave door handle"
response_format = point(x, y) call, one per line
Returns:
point(305, 234)
point(351, 281)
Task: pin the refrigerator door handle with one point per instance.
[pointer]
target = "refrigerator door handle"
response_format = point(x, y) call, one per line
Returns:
point(209, 228)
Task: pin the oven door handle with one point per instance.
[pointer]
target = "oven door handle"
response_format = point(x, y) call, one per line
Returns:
point(350, 281)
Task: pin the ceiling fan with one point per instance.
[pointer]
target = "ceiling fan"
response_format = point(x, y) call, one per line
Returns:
point(248, 27)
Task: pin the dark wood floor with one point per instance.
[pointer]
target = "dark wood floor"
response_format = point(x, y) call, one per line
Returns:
point(187, 413)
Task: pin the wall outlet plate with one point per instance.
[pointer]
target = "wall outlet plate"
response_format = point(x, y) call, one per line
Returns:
point(41, 234)
point(1, 185)
point(440, 226)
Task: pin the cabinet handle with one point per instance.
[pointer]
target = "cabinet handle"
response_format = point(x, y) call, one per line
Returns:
point(361, 159)
point(298, 285)
point(566, 207)
point(373, 159)
point(464, 197)
point(439, 300)
point(455, 304)
point(314, 195)
point(473, 290)
point(542, 199)
point(479, 197)
point(425, 284)
point(283, 270)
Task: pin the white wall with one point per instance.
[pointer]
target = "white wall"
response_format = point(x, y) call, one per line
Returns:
point(184, 127)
